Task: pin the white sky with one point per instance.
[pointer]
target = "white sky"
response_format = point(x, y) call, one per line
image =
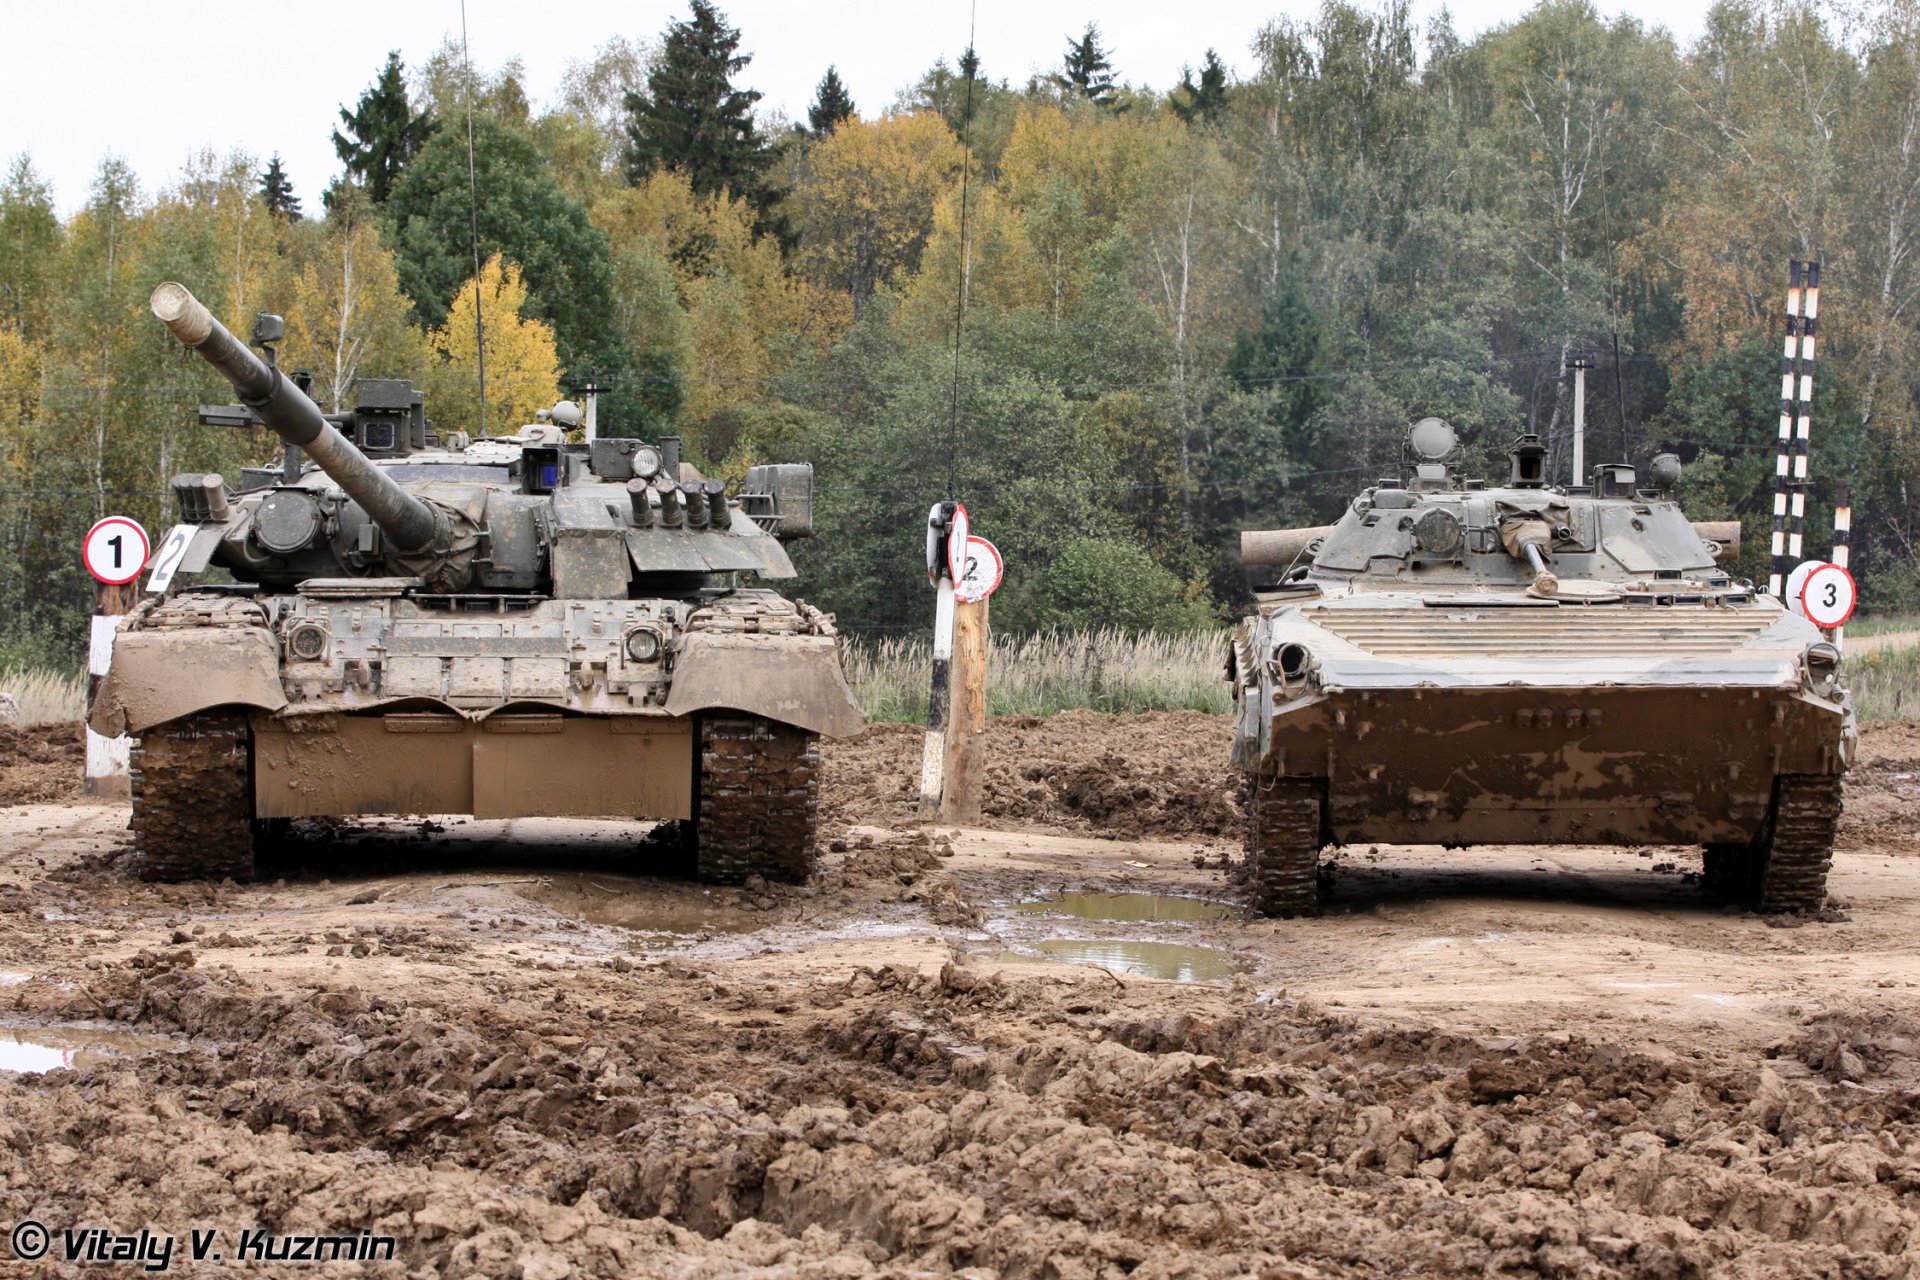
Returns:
point(153, 82)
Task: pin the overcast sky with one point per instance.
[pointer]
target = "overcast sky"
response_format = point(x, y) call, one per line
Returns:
point(155, 82)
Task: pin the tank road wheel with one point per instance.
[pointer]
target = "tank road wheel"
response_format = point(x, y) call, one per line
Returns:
point(1283, 845)
point(1784, 868)
point(193, 799)
point(759, 793)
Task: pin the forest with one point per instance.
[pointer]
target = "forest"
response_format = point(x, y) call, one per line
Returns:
point(1120, 322)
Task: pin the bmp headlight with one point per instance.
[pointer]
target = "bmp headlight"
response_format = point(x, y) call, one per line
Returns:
point(643, 644)
point(1823, 668)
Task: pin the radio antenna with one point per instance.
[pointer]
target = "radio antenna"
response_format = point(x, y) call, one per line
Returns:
point(969, 66)
point(473, 228)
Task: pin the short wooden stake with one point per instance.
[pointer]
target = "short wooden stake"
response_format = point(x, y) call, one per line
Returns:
point(960, 801)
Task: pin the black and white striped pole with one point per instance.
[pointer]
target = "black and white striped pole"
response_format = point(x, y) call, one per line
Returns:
point(947, 533)
point(1796, 422)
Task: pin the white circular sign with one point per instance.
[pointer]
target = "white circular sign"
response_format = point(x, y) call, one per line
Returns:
point(116, 550)
point(959, 529)
point(980, 577)
point(1828, 595)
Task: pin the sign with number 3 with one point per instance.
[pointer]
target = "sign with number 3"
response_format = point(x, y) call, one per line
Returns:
point(1828, 595)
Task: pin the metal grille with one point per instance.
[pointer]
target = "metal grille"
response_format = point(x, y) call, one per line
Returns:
point(1543, 635)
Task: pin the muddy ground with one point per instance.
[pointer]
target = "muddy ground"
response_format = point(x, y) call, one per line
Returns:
point(499, 1045)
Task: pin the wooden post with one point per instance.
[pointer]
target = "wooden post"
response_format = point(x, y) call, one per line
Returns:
point(961, 800)
point(1842, 539)
point(106, 768)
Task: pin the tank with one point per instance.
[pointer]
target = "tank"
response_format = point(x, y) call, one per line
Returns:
point(1462, 663)
point(415, 622)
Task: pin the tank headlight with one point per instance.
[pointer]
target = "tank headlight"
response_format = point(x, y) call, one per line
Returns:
point(643, 644)
point(1823, 668)
point(646, 462)
point(307, 642)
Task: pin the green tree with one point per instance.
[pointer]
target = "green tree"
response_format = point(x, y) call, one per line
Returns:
point(30, 237)
point(693, 119)
point(1086, 72)
point(831, 104)
point(277, 190)
point(1201, 103)
point(562, 255)
point(383, 132)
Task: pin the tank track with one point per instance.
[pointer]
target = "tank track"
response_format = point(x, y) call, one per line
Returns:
point(1785, 867)
point(759, 800)
point(1794, 864)
point(193, 799)
point(1283, 845)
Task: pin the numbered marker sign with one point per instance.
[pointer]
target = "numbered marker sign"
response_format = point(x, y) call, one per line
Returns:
point(980, 576)
point(1828, 596)
point(116, 550)
point(959, 530)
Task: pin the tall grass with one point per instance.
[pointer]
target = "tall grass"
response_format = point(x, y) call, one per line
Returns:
point(1885, 683)
point(1038, 675)
point(1881, 623)
point(45, 696)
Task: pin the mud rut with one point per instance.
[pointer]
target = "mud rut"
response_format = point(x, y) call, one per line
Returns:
point(512, 1092)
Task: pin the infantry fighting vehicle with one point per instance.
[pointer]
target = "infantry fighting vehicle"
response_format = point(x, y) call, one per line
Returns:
point(506, 627)
point(1455, 663)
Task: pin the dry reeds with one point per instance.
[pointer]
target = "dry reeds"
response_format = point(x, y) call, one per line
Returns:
point(44, 696)
point(1038, 675)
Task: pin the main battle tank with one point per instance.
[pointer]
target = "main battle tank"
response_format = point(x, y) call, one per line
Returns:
point(1457, 664)
point(507, 627)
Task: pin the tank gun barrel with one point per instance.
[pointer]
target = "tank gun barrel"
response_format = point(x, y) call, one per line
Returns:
point(296, 419)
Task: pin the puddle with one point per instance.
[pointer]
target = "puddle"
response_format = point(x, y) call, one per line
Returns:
point(30, 1050)
point(1128, 907)
point(1142, 959)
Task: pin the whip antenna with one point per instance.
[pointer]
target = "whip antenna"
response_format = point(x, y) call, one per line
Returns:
point(473, 228)
point(969, 64)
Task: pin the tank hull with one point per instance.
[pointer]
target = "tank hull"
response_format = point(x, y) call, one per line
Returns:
point(507, 766)
point(1545, 765)
point(1404, 717)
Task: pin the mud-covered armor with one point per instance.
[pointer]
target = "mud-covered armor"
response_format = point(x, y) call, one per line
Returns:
point(1454, 663)
point(418, 622)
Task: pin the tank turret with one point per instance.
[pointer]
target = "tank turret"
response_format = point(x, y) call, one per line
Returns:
point(413, 524)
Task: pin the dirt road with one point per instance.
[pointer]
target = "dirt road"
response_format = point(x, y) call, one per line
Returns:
point(495, 1044)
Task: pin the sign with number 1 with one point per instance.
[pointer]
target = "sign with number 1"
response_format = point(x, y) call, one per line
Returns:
point(116, 550)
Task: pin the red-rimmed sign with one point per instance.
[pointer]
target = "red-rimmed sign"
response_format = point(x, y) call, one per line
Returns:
point(1828, 596)
point(116, 550)
point(980, 576)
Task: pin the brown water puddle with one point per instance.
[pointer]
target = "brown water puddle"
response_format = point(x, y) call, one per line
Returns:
point(31, 1050)
point(1166, 960)
point(1129, 908)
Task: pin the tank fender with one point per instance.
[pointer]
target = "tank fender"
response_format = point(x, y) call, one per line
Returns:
point(795, 679)
point(164, 673)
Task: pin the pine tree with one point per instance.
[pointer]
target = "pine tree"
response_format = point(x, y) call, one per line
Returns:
point(277, 190)
point(1087, 72)
point(383, 132)
point(691, 118)
point(1201, 103)
point(831, 104)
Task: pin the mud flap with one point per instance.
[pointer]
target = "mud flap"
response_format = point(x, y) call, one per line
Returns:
point(795, 680)
point(168, 672)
